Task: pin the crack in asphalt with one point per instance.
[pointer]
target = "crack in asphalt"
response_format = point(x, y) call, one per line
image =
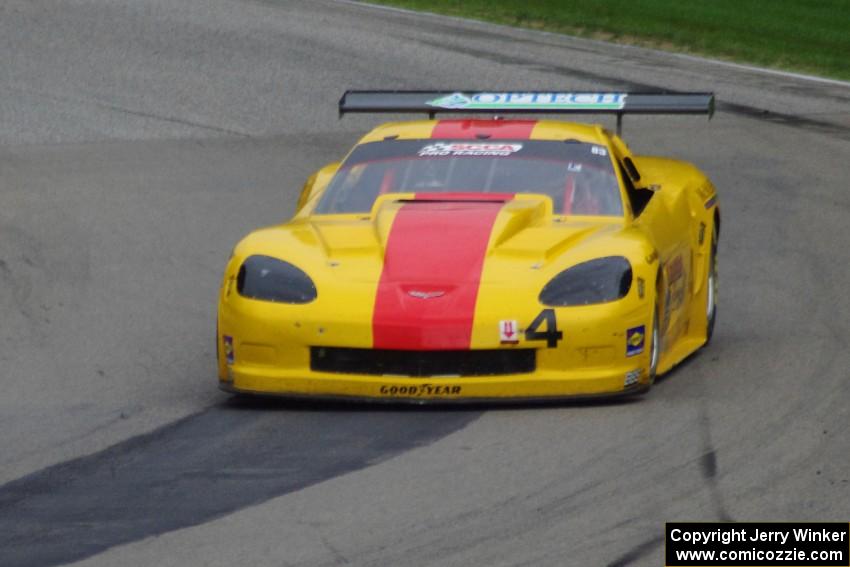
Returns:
point(132, 112)
point(202, 467)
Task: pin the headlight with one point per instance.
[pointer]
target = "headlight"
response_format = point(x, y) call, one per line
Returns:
point(270, 279)
point(597, 281)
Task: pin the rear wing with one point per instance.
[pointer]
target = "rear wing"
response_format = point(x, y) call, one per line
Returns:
point(526, 102)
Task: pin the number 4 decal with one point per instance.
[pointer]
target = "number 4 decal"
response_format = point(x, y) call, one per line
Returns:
point(552, 335)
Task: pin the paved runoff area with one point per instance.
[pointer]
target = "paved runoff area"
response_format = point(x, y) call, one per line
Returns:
point(140, 139)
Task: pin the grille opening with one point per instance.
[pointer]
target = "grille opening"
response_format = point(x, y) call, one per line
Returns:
point(415, 363)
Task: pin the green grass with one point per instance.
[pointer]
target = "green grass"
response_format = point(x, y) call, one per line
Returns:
point(809, 36)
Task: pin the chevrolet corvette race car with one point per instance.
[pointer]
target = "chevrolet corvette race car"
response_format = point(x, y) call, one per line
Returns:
point(479, 259)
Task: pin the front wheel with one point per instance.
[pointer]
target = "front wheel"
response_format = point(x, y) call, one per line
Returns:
point(654, 348)
point(711, 291)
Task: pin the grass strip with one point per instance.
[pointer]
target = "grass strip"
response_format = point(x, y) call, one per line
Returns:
point(809, 36)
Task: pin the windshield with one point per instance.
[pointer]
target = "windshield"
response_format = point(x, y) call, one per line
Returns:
point(579, 177)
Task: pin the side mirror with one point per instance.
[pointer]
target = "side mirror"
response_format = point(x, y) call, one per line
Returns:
point(316, 183)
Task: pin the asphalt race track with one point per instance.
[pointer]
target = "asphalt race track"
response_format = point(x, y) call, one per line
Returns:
point(140, 139)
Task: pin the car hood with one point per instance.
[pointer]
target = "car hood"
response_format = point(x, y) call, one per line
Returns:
point(452, 238)
point(442, 241)
point(414, 272)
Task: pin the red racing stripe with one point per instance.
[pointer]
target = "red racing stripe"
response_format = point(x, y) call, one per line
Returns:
point(492, 129)
point(432, 269)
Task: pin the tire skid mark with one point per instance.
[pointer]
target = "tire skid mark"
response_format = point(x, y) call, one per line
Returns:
point(197, 469)
point(708, 466)
point(637, 552)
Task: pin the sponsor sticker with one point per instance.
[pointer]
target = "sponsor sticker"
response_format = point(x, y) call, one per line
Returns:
point(420, 390)
point(635, 338)
point(676, 288)
point(228, 349)
point(632, 377)
point(531, 101)
point(509, 332)
point(598, 150)
point(469, 149)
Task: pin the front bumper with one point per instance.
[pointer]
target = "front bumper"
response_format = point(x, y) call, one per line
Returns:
point(265, 349)
point(627, 392)
point(528, 387)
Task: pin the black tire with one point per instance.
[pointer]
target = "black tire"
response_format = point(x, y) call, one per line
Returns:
point(654, 347)
point(711, 287)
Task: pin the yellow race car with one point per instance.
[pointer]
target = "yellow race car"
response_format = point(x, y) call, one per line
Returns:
point(478, 259)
